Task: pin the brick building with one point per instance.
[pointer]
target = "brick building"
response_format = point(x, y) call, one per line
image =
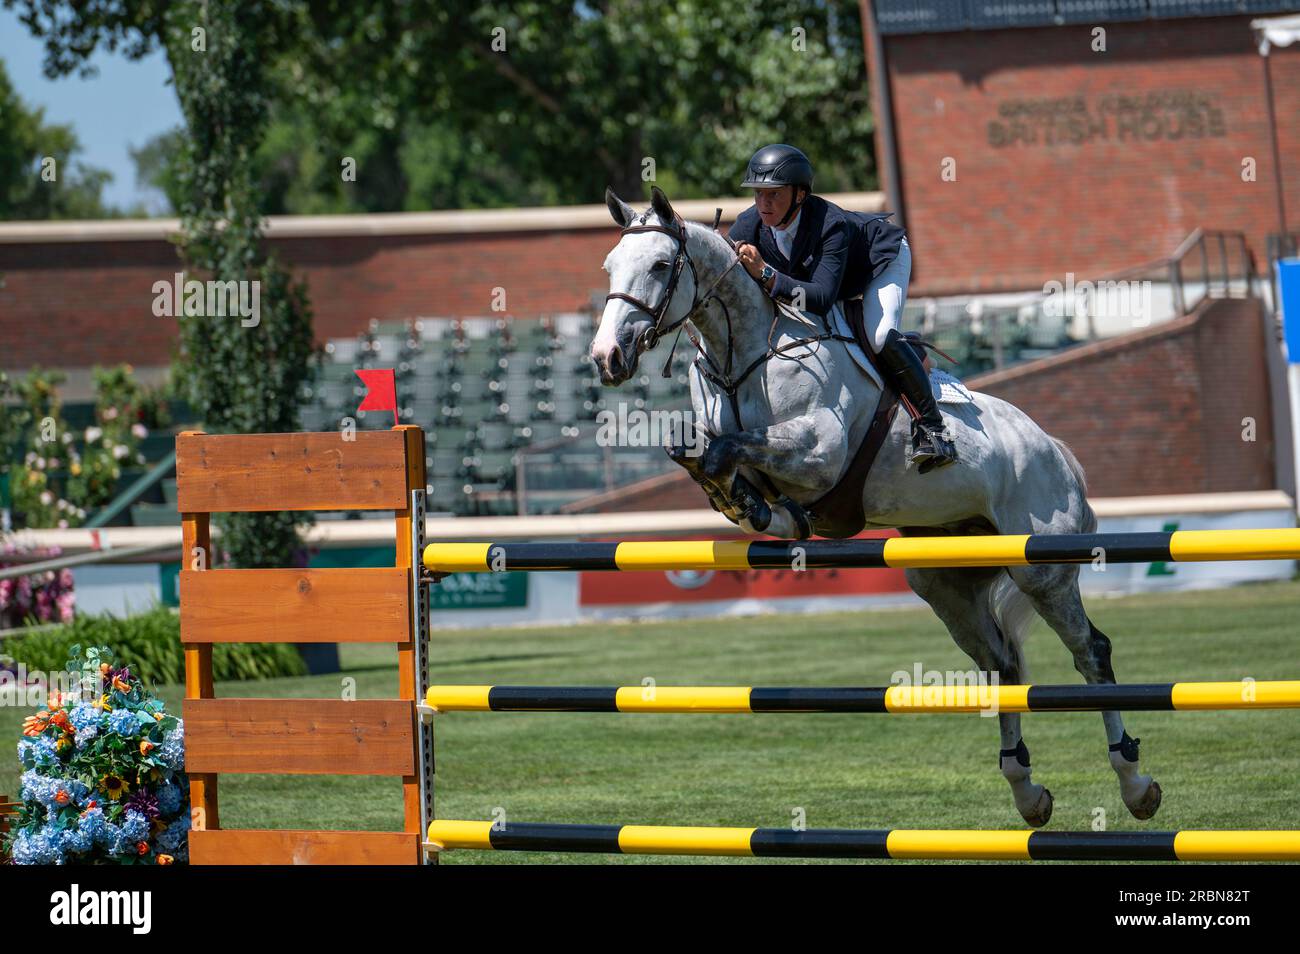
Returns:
point(1021, 142)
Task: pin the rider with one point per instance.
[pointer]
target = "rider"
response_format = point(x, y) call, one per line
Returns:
point(791, 239)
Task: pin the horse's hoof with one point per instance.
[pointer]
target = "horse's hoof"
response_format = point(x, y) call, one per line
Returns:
point(1041, 813)
point(1146, 806)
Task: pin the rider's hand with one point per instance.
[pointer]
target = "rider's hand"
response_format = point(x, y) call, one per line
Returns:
point(750, 258)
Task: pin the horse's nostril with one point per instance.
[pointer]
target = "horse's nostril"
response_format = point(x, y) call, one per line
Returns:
point(615, 360)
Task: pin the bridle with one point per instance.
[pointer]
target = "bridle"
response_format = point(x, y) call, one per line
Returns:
point(681, 260)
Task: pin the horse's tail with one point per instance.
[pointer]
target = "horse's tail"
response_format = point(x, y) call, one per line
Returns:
point(1013, 613)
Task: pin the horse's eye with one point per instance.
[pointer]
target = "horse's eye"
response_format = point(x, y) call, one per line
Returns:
point(660, 266)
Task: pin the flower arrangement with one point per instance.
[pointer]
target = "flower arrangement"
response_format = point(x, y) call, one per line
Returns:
point(104, 779)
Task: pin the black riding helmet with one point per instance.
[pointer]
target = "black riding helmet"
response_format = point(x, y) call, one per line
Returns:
point(779, 165)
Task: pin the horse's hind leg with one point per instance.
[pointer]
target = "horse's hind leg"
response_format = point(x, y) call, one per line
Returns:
point(1054, 591)
point(962, 599)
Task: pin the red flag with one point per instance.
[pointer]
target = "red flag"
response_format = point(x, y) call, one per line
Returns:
point(381, 390)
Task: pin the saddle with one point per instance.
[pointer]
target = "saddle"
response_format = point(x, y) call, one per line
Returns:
point(839, 513)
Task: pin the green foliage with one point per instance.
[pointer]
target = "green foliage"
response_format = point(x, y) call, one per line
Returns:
point(237, 378)
point(150, 644)
point(26, 141)
point(13, 419)
point(580, 97)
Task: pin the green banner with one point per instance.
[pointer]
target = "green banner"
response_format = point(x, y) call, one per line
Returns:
point(479, 591)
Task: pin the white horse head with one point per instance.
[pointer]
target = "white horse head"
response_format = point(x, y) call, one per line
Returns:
point(652, 283)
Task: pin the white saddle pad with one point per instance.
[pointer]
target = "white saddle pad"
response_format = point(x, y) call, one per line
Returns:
point(947, 389)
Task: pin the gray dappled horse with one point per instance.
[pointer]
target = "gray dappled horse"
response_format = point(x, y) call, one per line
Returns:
point(783, 405)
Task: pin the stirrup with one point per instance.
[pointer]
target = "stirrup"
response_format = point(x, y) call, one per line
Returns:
point(931, 449)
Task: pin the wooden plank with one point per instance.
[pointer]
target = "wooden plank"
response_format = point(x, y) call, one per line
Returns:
point(300, 736)
point(408, 678)
point(196, 555)
point(365, 605)
point(222, 473)
point(249, 847)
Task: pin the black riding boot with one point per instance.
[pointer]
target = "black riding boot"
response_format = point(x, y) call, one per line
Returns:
point(930, 448)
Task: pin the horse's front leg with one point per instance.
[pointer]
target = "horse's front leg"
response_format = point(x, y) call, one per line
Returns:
point(805, 453)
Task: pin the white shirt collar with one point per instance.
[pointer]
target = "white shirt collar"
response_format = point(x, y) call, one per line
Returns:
point(784, 238)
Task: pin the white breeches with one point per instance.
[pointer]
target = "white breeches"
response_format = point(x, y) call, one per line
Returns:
point(882, 302)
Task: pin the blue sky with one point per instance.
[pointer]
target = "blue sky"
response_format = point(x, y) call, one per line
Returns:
point(126, 105)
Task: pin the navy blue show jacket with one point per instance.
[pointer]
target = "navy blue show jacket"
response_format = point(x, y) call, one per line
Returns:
point(836, 253)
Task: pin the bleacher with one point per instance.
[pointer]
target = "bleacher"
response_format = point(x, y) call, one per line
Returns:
point(509, 408)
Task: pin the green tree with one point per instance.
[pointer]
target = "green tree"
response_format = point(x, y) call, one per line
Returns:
point(26, 143)
point(580, 96)
point(238, 378)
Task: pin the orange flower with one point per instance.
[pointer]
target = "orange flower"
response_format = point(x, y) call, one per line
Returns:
point(53, 701)
point(121, 686)
point(146, 746)
point(166, 860)
point(103, 668)
point(89, 805)
point(62, 796)
point(34, 725)
point(60, 719)
point(142, 847)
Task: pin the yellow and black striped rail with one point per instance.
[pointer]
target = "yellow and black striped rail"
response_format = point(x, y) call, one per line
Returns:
point(1178, 545)
point(852, 843)
point(1168, 696)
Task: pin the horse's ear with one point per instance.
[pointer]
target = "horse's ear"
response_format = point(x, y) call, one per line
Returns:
point(620, 210)
point(663, 208)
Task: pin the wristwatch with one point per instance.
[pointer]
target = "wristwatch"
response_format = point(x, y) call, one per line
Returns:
point(767, 275)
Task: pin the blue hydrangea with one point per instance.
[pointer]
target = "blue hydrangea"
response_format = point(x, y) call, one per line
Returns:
point(116, 843)
point(85, 716)
point(136, 827)
point(172, 751)
point(172, 840)
point(169, 798)
point(34, 785)
point(44, 790)
point(94, 825)
point(87, 735)
point(123, 722)
point(39, 752)
point(76, 840)
point(40, 847)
